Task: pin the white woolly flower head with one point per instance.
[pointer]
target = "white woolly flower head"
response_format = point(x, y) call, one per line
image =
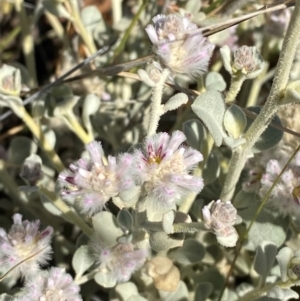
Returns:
point(119, 261)
point(163, 168)
point(178, 45)
point(220, 217)
point(24, 247)
point(285, 197)
point(54, 284)
point(92, 182)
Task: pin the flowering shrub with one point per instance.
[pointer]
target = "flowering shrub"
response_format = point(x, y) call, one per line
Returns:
point(178, 180)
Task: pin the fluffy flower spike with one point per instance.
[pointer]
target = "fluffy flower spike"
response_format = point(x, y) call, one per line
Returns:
point(163, 168)
point(178, 46)
point(25, 245)
point(54, 284)
point(92, 182)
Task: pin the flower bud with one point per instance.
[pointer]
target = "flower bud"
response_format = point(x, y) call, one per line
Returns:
point(219, 218)
point(32, 170)
point(10, 80)
point(244, 61)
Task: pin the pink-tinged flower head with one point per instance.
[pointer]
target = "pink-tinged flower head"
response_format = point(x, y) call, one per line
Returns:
point(163, 168)
point(285, 197)
point(119, 261)
point(24, 247)
point(92, 182)
point(219, 218)
point(178, 46)
point(54, 284)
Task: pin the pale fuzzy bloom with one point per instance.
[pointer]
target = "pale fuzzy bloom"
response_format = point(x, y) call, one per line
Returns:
point(25, 245)
point(285, 196)
point(257, 165)
point(119, 261)
point(219, 218)
point(178, 45)
point(92, 182)
point(163, 168)
point(54, 284)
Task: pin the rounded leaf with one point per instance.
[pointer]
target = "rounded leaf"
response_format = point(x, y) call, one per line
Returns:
point(264, 258)
point(125, 219)
point(106, 228)
point(105, 279)
point(195, 133)
point(210, 108)
point(211, 169)
point(235, 121)
point(270, 137)
point(82, 260)
point(215, 81)
point(203, 291)
point(191, 252)
point(160, 241)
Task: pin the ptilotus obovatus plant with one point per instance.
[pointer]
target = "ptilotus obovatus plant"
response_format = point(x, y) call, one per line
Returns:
point(158, 215)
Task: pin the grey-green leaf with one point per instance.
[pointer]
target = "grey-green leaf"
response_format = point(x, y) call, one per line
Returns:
point(82, 260)
point(125, 219)
point(210, 108)
point(191, 252)
point(203, 291)
point(195, 133)
point(270, 137)
point(235, 121)
point(215, 81)
point(264, 258)
point(105, 279)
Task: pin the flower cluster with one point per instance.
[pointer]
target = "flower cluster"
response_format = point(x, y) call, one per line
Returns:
point(244, 61)
point(162, 168)
point(92, 182)
point(24, 247)
point(285, 196)
point(119, 261)
point(220, 217)
point(54, 284)
point(178, 45)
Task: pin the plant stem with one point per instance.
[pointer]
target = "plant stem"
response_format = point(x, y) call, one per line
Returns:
point(76, 127)
point(235, 87)
point(263, 202)
point(272, 105)
point(87, 277)
point(84, 34)
point(68, 214)
point(39, 135)
point(155, 110)
point(27, 42)
point(135, 19)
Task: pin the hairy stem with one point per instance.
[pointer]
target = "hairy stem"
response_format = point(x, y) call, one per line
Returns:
point(235, 87)
point(155, 110)
point(272, 105)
